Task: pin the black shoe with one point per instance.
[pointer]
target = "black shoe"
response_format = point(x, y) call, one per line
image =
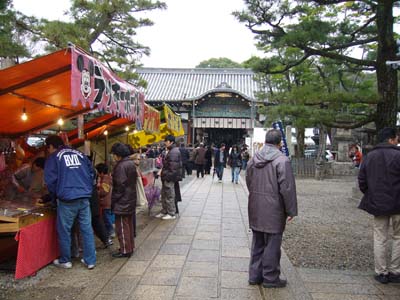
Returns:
point(280, 283)
point(395, 278)
point(382, 278)
point(121, 255)
point(252, 282)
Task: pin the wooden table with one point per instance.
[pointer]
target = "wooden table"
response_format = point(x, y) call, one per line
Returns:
point(9, 224)
point(32, 238)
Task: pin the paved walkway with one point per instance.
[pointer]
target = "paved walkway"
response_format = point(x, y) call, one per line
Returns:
point(204, 254)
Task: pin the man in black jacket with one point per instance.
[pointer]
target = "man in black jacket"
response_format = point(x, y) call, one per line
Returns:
point(171, 172)
point(185, 159)
point(379, 180)
point(220, 161)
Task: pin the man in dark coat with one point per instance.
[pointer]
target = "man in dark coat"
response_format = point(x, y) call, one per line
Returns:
point(272, 203)
point(200, 159)
point(171, 173)
point(220, 161)
point(185, 159)
point(123, 199)
point(379, 180)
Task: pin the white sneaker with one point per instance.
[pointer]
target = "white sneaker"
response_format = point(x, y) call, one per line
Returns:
point(160, 215)
point(90, 267)
point(168, 217)
point(66, 265)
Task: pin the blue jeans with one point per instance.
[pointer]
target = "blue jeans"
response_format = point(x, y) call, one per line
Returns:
point(108, 218)
point(244, 164)
point(220, 171)
point(67, 212)
point(235, 174)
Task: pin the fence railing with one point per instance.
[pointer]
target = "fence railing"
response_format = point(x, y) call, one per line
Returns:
point(303, 167)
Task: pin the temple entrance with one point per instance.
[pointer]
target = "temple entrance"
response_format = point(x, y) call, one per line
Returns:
point(221, 135)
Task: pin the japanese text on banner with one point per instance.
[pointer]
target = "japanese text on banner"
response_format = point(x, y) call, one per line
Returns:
point(151, 119)
point(173, 121)
point(92, 83)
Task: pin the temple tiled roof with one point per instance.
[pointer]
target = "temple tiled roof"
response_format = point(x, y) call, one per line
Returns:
point(166, 84)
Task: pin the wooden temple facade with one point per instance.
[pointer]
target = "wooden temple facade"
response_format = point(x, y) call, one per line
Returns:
point(216, 105)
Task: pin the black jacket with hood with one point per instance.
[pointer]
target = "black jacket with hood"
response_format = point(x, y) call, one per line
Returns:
point(379, 180)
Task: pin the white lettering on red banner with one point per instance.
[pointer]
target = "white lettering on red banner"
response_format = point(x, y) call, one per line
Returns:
point(94, 84)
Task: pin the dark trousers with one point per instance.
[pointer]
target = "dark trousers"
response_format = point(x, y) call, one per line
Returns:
point(184, 170)
point(265, 257)
point(125, 233)
point(189, 167)
point(200, 170)
point(100, 229)
point(178, 197)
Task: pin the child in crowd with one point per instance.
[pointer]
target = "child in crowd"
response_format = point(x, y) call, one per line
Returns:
point(104, 188)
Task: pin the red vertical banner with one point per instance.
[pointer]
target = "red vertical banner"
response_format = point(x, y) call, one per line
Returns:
point(94, 84)
point(151, 119)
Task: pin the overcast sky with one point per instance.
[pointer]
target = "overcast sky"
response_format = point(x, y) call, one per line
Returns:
point(186, 33)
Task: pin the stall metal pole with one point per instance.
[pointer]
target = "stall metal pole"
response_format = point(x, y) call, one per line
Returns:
point(252, 126)
point(106, 151)
point(193, 129)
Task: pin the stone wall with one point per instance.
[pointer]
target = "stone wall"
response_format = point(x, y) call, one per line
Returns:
point(338, 169)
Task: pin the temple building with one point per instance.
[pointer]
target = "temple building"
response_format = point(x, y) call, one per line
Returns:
point(216, 105)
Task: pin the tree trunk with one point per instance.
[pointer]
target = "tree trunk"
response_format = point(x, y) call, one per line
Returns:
point(320, 160)
point(300, 132)
point(386, 76)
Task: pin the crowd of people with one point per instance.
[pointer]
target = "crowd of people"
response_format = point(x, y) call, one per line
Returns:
point(100, 201)
point(92, 201)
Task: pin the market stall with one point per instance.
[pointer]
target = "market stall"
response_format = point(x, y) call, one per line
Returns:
point(153, 130)
point(34, 95)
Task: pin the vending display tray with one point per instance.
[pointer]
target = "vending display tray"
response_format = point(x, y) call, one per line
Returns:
point(17, 214)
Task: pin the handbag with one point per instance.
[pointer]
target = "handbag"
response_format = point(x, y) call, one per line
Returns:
point(144, 180)
point(159, 162)
point(153, 194)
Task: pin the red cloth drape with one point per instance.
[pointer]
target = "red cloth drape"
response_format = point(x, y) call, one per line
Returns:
point(37, 247)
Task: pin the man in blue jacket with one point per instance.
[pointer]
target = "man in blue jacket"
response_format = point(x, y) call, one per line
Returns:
point(69, 177)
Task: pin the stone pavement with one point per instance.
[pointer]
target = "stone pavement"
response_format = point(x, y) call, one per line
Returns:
point(204, 254)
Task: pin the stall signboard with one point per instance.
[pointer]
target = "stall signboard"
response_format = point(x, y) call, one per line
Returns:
point(151, 121)
point(94, 84)
point(142, 138)
point(173, 120)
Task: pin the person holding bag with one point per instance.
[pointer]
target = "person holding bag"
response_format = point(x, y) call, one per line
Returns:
point(140, 194)
point(123, 199)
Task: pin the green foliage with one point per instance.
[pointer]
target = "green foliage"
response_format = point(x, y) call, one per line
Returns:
point(313, 94)
point(11, 39)
point(321, 59)
point(104, 28)
point(221, 62)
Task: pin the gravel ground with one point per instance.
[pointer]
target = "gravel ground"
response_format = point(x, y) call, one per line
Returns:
point(330, 232)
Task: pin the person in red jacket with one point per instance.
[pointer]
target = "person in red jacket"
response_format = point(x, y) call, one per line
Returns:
point(104, 189)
